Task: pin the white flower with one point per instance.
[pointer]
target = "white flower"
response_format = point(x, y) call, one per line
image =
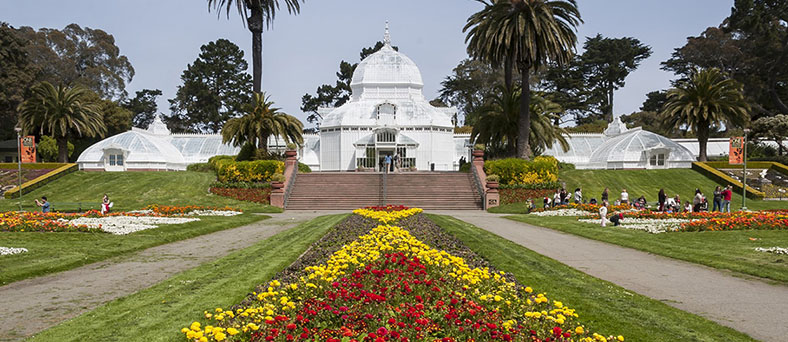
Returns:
point(654, 226)
point(11, 250)
point(561, 212)
point(122, 225)
point(775, 250)
point(214, 213)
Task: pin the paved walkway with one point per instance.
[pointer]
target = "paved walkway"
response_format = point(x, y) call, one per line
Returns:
point(750, 306)
point(32, 305)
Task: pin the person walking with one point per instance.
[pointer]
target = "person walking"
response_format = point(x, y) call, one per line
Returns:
point(603, 213)
point(662, 198)
point(578, 196)
point(396, 162)
point(624, 196)
point(697, 200)
point(727, 194)
point(604, 195)
point(44, 204)
point(717, 206)
point(388, 163)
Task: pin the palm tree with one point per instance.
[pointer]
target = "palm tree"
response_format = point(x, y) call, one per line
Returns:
point(704, 102)
point(262, 121)
point(528, 32)
point(256, 14)
point(497, 125)
point(63, 113)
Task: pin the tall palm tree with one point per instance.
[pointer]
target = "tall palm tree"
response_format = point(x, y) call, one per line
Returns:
point(256, 14)
point(704, 102)
point(63, 113)
point(529, 33)
point(497, 125)
point(262, 121)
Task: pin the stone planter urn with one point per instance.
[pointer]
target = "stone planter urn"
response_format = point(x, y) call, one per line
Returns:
point(291, 153)
point(277, 185)
point(492, 185)
point(478, 153)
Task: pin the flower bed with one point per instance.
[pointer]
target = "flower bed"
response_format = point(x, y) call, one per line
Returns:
point(659, 222)
point(12, 251)
point(122, 225)
point(562, 212)
point(654, 226)
point(389, 207)
point(590, 208)
point(388, 285)
point(518, 195)
point(775, 250)
point(171, 210)
point(40, 222)
point(386, 217)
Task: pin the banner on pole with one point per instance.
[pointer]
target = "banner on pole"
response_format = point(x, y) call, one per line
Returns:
point(736, 152)
point(28, 149)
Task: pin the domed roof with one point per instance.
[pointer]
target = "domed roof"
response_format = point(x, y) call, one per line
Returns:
point(631, 144)
point(138, 145)
point(386, 67)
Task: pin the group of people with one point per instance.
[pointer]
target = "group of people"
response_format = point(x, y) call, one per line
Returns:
point(46, 207)
point(562, 197)
point(721, 201)
point(390, 163)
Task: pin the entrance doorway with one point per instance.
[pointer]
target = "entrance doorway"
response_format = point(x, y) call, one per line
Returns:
point(382, 159)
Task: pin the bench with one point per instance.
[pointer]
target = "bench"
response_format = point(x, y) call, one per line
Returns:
point(69, 206)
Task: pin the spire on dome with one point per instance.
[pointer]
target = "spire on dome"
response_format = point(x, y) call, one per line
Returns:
point(387, 35)
point(158, 127)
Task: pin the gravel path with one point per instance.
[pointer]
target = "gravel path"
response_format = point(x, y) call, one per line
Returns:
point(751, 306)
point(32, 305)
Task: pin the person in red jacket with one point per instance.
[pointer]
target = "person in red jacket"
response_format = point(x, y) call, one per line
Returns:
point(727, 194)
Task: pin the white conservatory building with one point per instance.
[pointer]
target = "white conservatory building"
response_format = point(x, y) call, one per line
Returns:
point(152, 149)
point(622, 148)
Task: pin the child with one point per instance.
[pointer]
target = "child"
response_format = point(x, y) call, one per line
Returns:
point(603, 213)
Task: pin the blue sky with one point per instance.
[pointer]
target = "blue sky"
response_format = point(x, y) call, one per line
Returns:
point(302, 52)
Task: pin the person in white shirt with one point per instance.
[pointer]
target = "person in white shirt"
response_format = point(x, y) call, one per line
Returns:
point(603, 213)
point(624, 196)
point(578, 196)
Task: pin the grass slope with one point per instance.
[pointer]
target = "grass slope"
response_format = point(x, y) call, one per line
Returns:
point(158, 313)
point(132, 190)
point(730, 250)
point(602, 306)
point(644, 182)
point(55, 252)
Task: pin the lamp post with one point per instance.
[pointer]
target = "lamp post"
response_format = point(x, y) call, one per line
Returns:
point(19, 162)
point(744, 175)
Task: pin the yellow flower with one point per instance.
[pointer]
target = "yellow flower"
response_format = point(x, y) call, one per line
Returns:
point(232, 331)
point(579, 330)
point(620, 338)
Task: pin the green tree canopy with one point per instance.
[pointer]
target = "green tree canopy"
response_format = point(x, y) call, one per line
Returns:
point(143, 107)
point(774, 128)
point(703, 103)
point(262, 121)
point(17, 74)
point(79, 56)
point(469, 85)
point(63, 113)
point(215, 87)
point(48, 151)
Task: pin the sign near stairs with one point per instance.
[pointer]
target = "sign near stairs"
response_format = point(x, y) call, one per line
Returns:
point(351, 190)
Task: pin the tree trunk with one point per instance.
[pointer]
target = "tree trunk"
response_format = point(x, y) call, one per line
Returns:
point(62, 149)
point(524, 122)
point(703, 139)
point(610, 104)
point(507, 73)
point(255, 23)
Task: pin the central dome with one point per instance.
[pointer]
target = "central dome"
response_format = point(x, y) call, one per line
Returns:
point(387, 67)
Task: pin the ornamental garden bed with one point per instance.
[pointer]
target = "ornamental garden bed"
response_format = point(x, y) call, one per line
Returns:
point(408, 281)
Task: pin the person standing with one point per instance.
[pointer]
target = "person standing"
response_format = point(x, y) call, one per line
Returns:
point(105, 205)
point(557, 198)
point(662, 199)
point(44, 204)
point(624, 196)
point(564, 196)
point(605, 195)
point(727, 194)
point(578, 196)
point(388, 163)
point(603, 213)
point(396, 162)
point(697, 200)
point(717, 206)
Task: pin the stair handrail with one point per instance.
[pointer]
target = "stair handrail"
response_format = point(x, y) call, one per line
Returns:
point(384, 193)
point(289, 185)
point(476, 181)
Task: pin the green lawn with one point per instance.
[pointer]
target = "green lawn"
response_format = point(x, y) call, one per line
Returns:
point(602, 306)
point(730, 250)
point(643, 182)
point(158, 313)
point(55, 252)
point(133, 190)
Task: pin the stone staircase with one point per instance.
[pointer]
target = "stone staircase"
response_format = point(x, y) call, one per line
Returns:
point(352, 190)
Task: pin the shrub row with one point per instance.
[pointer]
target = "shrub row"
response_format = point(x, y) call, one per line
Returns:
point(540, 170)
point(31, 185)
point(248, 171)
point(33, 166)
point(257, 195)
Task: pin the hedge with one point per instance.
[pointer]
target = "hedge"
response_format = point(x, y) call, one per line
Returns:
point(719, 177)
point(248, 171)
point(259, 195)
point(542, 169)
point(31, 185)
point(303, 168)
point(213, 161)
point(33, 166)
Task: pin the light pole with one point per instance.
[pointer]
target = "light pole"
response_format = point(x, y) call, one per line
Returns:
point(19, 162)
point(744, 176)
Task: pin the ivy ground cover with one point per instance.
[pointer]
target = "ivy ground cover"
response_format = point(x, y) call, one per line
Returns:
point(389, 284)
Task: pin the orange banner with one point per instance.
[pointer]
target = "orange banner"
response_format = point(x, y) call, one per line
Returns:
point(28, 145)
point(736, 152)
